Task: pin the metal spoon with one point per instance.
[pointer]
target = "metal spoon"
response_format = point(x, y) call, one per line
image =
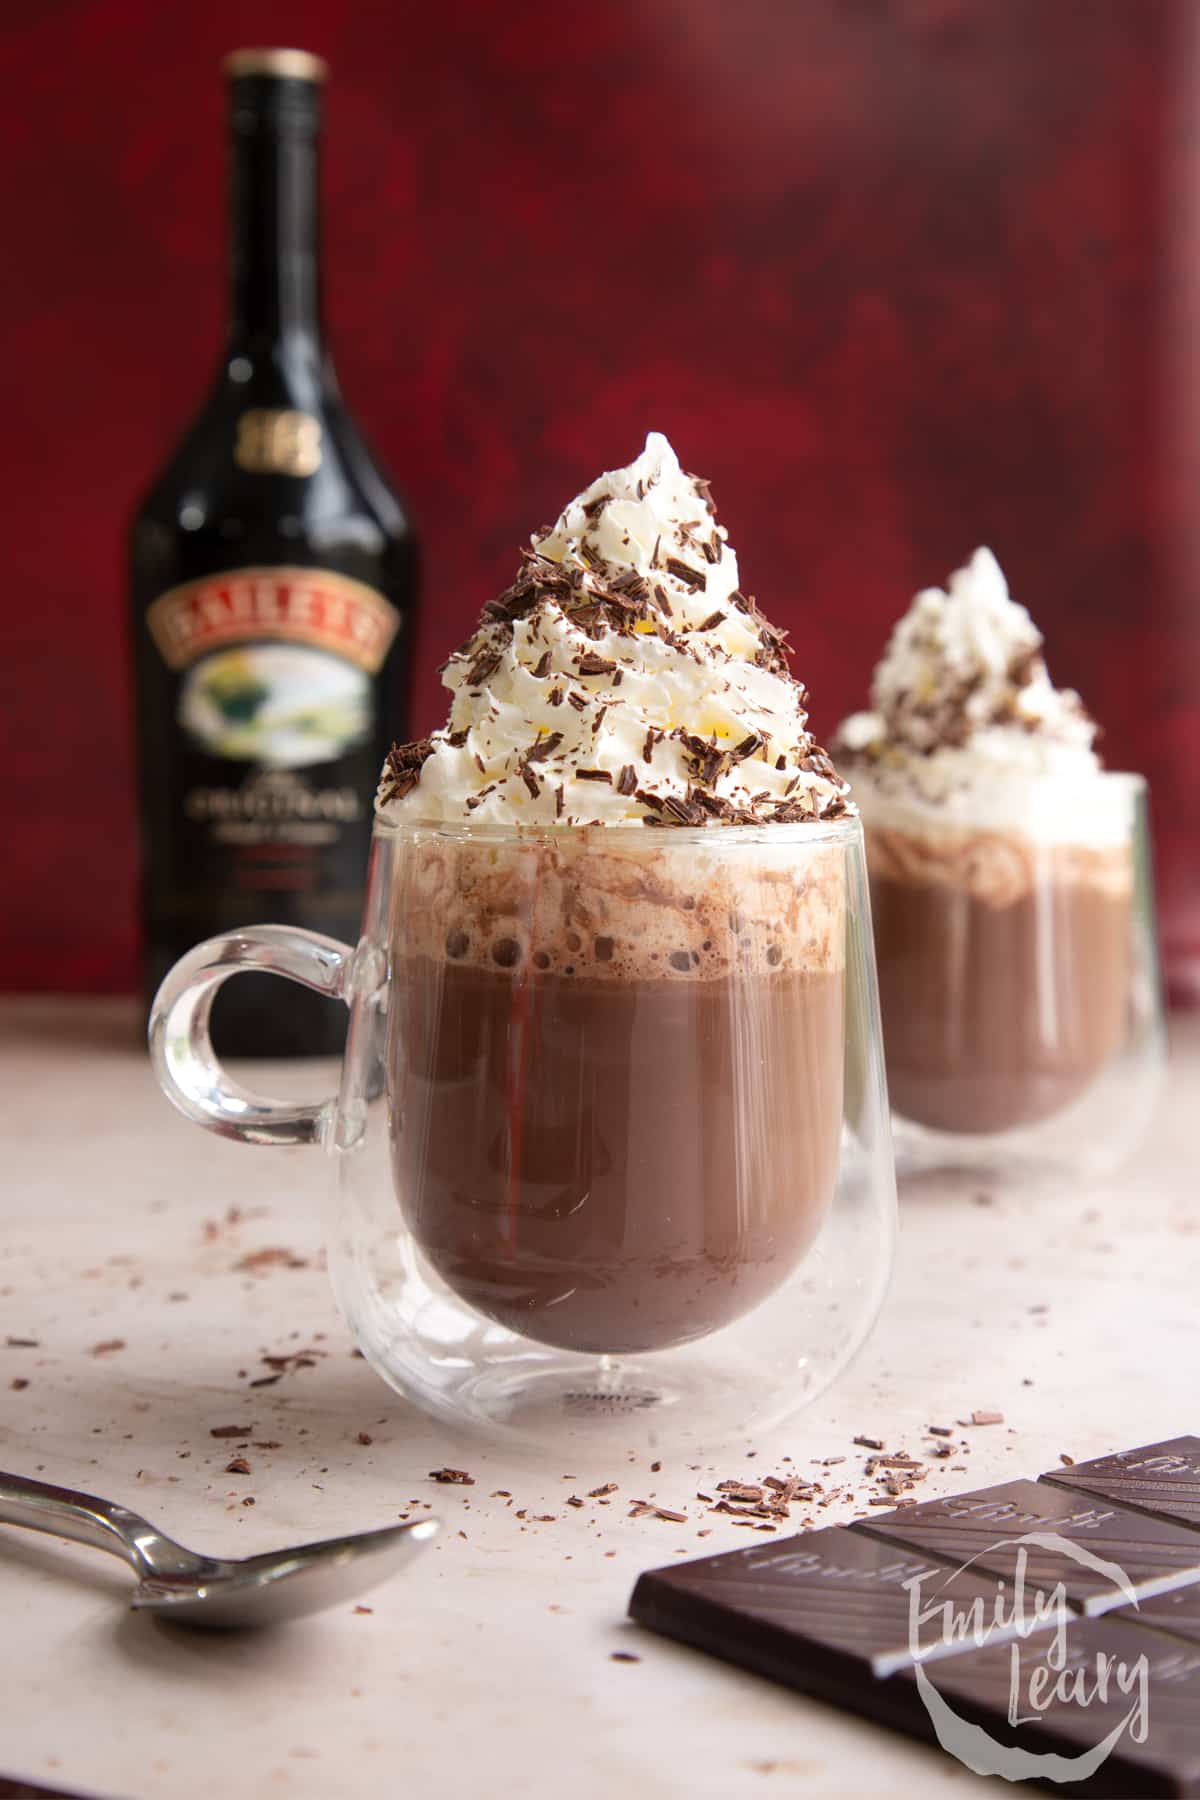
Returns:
point(209, 1591)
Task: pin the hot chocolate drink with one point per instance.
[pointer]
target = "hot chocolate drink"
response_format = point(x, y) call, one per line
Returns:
point(1001, 867)
point(616, 1079)
point(616, 1027)
point(1004, 974)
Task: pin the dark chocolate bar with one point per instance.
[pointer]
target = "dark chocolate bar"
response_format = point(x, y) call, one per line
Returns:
point(816, 1608)
point(1002, 1683)
point(1160, 1479)
point(1106, 1680)
point(1001, 1529)
point(1177, 1613)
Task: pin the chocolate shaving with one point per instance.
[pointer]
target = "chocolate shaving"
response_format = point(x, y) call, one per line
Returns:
point(685, 811)
point(711, 623)
point(593, 775)
point(590, 664)
point(694, 579)
point(627, 781)
point(452, 1477)
point(544, 747)
point(484, 666)
point(543, 667)
point(403, 767)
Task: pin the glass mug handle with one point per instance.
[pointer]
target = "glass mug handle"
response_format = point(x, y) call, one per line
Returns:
point(181, 1048)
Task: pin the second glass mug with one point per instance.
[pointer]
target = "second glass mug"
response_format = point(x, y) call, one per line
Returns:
point(610, 1155)
point(1022, 1000)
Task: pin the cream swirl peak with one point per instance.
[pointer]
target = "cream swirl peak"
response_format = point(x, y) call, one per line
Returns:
point(622, 679)
point(967, 729)
point(964, 667)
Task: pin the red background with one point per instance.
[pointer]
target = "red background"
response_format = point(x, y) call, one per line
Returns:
point(899, 276)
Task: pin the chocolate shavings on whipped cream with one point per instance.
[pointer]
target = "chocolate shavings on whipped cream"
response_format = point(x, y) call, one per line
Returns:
point(682, 709)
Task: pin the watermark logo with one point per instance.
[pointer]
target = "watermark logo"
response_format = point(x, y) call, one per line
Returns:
point(1045, 1669)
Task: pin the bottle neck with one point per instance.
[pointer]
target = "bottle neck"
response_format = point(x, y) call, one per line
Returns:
point(275, 299)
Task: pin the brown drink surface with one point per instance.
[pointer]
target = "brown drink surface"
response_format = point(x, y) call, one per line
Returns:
point(615, 1165)
point(1000, 1004)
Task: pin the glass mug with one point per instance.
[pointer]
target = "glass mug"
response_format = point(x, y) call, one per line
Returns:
point(611, 1151)
point(1018, 969)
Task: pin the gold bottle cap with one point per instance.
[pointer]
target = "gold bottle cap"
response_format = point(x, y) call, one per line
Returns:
point(296, 65)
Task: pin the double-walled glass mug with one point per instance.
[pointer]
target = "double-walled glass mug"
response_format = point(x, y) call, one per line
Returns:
point(611, 1152)
point(1018, 969)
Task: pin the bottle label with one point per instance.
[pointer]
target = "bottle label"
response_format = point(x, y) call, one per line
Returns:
point(286, 605)
point(275, 664)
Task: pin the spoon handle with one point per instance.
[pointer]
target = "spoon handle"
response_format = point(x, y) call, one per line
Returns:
point(83, 1517)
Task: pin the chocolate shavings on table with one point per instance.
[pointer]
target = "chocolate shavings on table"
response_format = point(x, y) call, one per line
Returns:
point(452, 1477)
point(273, 1257)
point(231, 1431)
point(285, 1363)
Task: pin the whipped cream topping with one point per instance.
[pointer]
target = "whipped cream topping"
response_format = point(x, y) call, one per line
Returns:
point(623, 678)
point(968, 731)
point(962, 689)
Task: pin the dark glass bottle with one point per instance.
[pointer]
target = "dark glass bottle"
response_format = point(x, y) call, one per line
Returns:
point(273, 577)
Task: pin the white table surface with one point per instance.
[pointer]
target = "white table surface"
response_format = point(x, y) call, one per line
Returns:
point(487, 1668)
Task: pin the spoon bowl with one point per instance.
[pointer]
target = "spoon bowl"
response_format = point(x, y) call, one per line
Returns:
point(217, 1594)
